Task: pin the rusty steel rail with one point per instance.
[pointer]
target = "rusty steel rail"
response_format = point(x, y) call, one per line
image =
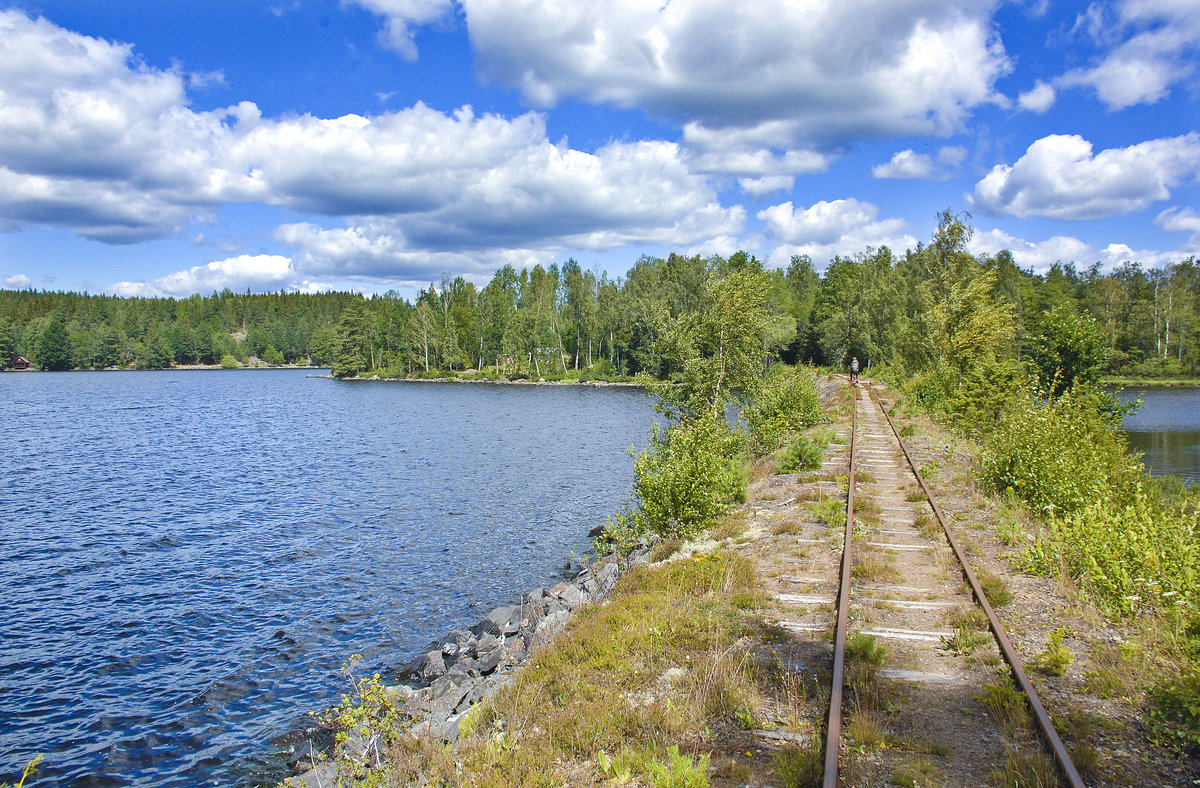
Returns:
point(1065, 764)
point(833, 731)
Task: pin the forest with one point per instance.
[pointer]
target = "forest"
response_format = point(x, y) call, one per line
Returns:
point(562, 320)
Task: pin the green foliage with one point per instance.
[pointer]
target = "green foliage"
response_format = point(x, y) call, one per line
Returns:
point(985, 390)
point(1068, 348)
point(1175, 711)
point(801, 453)
point(371, 710)
point(54, 347)
point(800, 767)
point(1006, 703)
point(1055, 659)
point(229, 362)
point(965, 640)
point(272, 356)
point(621, 533)
point(716, 352)
point(786, 402)
point(688, 475)
point(831, 511)
point(972, 328)
point(1131, 557)
point(154, 353)
point(1057, 456)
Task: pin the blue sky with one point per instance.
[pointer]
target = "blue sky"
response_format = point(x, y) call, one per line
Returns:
point(167, 148)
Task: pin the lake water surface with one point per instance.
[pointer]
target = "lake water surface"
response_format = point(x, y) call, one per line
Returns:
point(1166, 429)
point(190, 555)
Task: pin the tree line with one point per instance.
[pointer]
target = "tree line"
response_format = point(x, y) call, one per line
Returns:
point(559, 320)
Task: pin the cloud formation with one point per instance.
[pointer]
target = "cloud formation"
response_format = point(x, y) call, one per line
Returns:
point(402, 17)
point(1150, 46)
point(94, 141)
point(1059, 177)
point(1040, 255)
point(801, 74)
point(826, 229)
point(262, 272)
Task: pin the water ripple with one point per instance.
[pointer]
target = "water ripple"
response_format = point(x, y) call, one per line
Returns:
point(189, 559)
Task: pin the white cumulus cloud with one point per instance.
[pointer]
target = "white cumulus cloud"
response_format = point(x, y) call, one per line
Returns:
point(1060, 177)
point(1185, 220)
point(910, 164)
point(17, 281)
point(825, 229)
point(916, 67)
point(906, 164)
point(402, 17)
point(258, 272)
point(1151, 45)
point(94, 141)
point(1037, 99)
point(1040, 255)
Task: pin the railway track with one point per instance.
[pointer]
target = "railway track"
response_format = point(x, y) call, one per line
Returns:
point(925, 647)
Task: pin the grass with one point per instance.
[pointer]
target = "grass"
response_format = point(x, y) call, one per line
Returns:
point(994, 588)
point(1027, 769)
point(1006, 704)
point(788, 528)
point(927, 526)
point(571, 704)
point(872, 568)
point(830, 511)
point(665, 549)
point(916, 773)
point(970, 617)
point(965, 640)
point(800, 767)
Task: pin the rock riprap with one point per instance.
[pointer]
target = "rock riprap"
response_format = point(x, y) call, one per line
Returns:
point(463, 668)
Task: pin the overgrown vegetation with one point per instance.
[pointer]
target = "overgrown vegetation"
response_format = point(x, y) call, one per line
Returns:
point(1014, 364)
point(1006, 357)
point(623, 696)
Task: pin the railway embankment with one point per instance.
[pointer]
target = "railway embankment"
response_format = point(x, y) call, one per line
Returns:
point(712, 662)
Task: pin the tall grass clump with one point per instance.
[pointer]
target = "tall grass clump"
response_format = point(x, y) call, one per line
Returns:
point(786, 402)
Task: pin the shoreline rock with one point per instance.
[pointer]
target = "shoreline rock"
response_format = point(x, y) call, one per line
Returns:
point(458, 671)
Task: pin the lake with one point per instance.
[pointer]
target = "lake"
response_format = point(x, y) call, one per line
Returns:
point(1166, 430)
point(190, 556)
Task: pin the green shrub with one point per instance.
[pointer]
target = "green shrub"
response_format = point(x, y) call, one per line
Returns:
point(786, 402)
point(688, 476)
point(800, 767)
point(229, 362)
point(602, 369)
point(1058, 456)
point(1055, 659)
point(799, 454)
point(1175, 711)
point(1129, 558)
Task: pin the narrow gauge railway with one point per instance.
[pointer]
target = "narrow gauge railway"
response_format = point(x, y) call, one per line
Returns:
point(907, 595)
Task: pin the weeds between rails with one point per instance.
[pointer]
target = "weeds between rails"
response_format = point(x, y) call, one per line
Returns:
point(1011, 701)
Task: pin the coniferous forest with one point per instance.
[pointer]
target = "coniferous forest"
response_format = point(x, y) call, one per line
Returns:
point(562, 320)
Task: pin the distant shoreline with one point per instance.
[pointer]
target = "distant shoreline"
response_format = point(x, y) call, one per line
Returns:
point(497, 381)
point(1157, 383)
